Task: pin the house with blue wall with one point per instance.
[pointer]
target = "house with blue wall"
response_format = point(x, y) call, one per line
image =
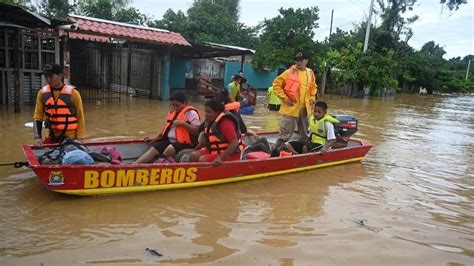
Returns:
point(216, 62)
point(183, 68)
point(260, 79)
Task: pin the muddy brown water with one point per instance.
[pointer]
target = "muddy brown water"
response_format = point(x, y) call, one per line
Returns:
point(410, 201)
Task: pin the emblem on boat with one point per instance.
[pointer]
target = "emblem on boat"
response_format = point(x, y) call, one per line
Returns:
point(56, 178)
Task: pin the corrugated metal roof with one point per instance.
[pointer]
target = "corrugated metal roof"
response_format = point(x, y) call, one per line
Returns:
point(230, 47)
point(106, 28)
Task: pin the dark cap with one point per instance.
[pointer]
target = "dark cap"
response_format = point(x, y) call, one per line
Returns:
point(49, 69)
point(300, 55)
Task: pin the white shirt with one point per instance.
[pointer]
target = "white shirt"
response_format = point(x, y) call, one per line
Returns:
point(330, 131)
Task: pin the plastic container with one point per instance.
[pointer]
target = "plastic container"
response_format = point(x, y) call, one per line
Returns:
point(247, 110)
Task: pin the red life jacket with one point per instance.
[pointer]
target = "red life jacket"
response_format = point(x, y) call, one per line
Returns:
point(61, 114)
point(182, 135)
point(216, 142)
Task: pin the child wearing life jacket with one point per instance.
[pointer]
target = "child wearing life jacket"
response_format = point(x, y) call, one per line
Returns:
point(321, 127)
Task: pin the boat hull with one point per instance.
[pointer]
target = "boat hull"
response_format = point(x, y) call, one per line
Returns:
point(109, 179)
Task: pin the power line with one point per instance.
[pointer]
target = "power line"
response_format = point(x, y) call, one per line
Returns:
point(357, 3)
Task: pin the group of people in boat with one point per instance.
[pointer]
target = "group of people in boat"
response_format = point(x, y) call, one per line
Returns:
point(219, 137)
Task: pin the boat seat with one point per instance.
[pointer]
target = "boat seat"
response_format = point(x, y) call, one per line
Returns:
point(257, 155)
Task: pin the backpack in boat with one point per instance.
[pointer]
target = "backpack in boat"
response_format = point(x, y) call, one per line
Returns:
point(55, 156)
point(77, 157)
point(72, 144)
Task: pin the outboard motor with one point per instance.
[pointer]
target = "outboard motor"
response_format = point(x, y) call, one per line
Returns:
point(346, 127)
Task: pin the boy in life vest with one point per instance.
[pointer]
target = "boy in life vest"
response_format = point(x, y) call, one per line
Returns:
point(222, 136)
point(296, 87)
point(179, 132)
point(321, 127)
point(60, 106)
point(234, 88)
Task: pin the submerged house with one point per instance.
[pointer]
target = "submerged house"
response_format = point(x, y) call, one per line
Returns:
point(217, 62)
point(102, 58)
point(120, 57)
point(105, 59)
point(27, 42)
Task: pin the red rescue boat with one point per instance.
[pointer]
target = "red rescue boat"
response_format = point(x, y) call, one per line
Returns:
point(98, 179)
point(108, 178)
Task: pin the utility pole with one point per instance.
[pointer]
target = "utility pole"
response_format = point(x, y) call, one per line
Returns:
point(323, 79)
point(367, 31)
point(468, 67)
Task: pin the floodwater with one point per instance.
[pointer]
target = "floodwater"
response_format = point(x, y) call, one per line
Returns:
point(410, 201)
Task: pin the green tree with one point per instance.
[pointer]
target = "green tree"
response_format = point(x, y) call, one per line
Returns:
point(56, 8)
point(453, 4)
point(26, 4)
point(292, 30)
point(232, 6)
point(391, 14)
point(344, 63)
point(131, 15)
point(433, 50)
point(116, 10)
point(108, 9)
point(172, 21)
point(210, 22)
point(247, 36)
point(98, 9)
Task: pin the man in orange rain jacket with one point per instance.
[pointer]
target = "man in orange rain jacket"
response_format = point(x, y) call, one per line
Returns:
point(296, 87)
point(60, 106)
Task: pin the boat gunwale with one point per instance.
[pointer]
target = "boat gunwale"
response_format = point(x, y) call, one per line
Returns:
point(34, 164)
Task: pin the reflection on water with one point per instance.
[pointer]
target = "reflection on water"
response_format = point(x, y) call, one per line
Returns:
point(413, 194)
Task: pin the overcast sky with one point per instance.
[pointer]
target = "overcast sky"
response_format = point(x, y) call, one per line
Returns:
point(454, 31)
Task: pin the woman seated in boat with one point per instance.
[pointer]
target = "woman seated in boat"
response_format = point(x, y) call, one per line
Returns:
point(179, 132)
point(222, 136)
point(321, 127)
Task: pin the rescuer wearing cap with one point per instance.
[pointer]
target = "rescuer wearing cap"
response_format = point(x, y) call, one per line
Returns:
point(296, 87)
point(59, 105)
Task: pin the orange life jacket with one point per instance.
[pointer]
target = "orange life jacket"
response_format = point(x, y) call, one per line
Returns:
point(61, 114)
point(292, 86)
point(182, 135)
point(216, 142)
point(234, 106)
